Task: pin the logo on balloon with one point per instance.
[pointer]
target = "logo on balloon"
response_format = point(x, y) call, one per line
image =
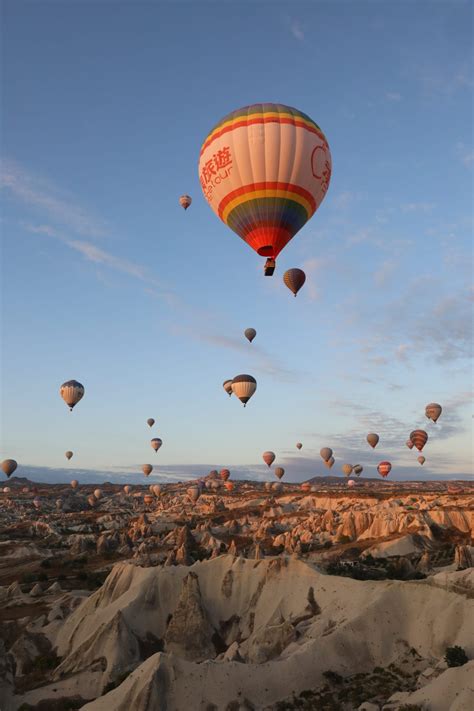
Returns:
point(320, 166)
point(215, 170)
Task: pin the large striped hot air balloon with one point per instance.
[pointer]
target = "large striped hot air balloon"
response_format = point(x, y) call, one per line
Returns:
point(244, 387)
point(71, 392)
point(264, 170)
point(419, 438)
point(384, 469)
point(224, 474)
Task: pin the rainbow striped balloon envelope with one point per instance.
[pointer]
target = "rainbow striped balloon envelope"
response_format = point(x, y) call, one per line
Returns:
point(265, 170)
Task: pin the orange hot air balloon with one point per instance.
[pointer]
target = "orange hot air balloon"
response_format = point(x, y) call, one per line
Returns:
point(347, 469)
point(419, 438)
point(229, 485)
point(421, 459)
point(147, 469)
point(433, 411)
point(224, 474)
point(268, 458)
point(71, 392)
point(305, 486)
point(264, 170)
point(294, 279)
point(279, 472)
point(384, 469)
point(185, 201)
point(373, 439)
point(148, 499)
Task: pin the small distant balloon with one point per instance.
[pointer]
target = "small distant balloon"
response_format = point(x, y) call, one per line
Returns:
point(268, 458)
point(9, 466)
point(306, 486)
point(185, 201)
point(279, 472)
point(150, 422)
point(250, 334)
point(227, 385)
point(156, 443)
point(157, 489)
point(147, 469)
point(193, 493)
point(373, 439)
point(59, 503)
point(294, 279)
point(384, 469)
point(229, 485)
point(244, 386)
point(71, 392)
point(37, 502)
point(347, 469)
point(91, 500)
point(433, 411)
point(326, 453)
point(68, 454)
point(409, 444)
point(224, 474)
point(97, 493)
point(421, 459)
point(148, 499)
point(358, 469)
point(419, 438)
point(127, 488)
point(351, 483)
point(298, 445)
point(277, 486)
point(74, 483)
point(330, 462)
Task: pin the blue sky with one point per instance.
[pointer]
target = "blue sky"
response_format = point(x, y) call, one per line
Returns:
point(108, 281)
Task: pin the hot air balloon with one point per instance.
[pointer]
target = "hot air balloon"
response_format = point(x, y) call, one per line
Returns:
point(147, 469)
point(326, 453)
point(8, 466)
point(347, 469)
point(351, 483)
point(419, 438)
point(97, 493)
point(224, 474)
point(156, 443)
point(267, 486)
point(185, 201)
point(59, 503)
point(250, 334)
point(213, 473)
point(268, 458)
point(294, 279)
point(384, 469)
point(68, 454)
point(193, 493)
point(37, 502)
point(71, 392)
point(6, 489)
point(298, 445)
point(264, 170)
point(127, 488)
point(74, 483)
point(358, 469)
point(306, 486)
point(227, 385)
point(91, 500)
point(279, 472)
point(330, 462)
point(277, 486)
point(148, 499)
point(433, 411)
point(409, 444)
point(229, 485)
point(421, 459)
point(244, 386)
point(373, 439)
point(150, 422)
point(157, 489)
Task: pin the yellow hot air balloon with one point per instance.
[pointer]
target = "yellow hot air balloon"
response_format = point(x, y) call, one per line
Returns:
point(264, 170)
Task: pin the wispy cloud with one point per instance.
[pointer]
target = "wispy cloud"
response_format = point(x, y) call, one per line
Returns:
point(393, 96)
point(44, 197)
point(418, 207)
point(296, 30)
point(383, 274)
point(465, 154)
point(312, 267)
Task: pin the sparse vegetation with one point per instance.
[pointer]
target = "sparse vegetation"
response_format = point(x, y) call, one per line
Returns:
point(455, 656)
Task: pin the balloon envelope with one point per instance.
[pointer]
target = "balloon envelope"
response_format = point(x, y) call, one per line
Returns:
point(224, 474)
point(294, 279)
point(185, 201)
point(71, 392)
point(298, 445)
point(358, 469)
point(279, 472)
point(244, 387)
point(326, 453)
point(347, 469)
point(156, 443)
point(150, 422)
point(74, 483)
point(68, 454)
point(330, 462)
point(421, 459)
point(97, 493)
point(409, 444)
point(250, 334)
point(419, 438)
point(127, 488)
point(227, 385)
point(264, 170)
point(268, 458)
point(372, 439)
point(8, 466)
point(384, 468)
point(433, 411)
point(193, 493)
point(147, 469)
